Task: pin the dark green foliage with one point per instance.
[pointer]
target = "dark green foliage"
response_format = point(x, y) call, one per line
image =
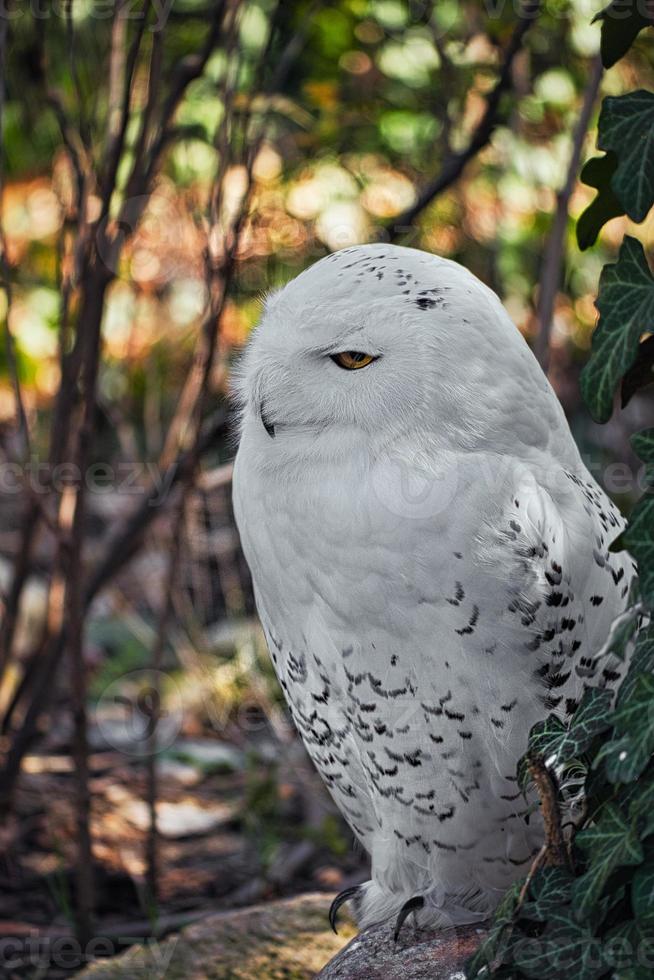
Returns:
point(609, 844)
point(624, 177)
point(596, 918)
point(626, 306)
point(641, 373)
point(639, 536)
point(622, 21)
point(626, 127)
point(598, 173)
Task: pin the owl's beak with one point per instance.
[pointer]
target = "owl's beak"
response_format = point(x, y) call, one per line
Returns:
point(267, 424)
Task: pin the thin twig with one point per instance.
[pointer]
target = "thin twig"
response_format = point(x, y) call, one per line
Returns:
point(457, 162)
point(119, 116)
point(156, 664)
point(555, 248)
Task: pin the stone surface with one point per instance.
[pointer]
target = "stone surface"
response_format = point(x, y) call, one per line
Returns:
point(418, 954)
point(285, 940)
point(291, 940)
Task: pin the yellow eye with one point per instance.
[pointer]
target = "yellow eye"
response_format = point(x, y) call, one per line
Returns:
point(352, 360)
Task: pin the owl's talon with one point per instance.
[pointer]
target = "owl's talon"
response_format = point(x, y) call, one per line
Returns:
point(340, 899)
point(415, 903)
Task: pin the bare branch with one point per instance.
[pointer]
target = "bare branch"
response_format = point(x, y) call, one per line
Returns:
point(457, 162)
point(555, 249)
point(119, 115)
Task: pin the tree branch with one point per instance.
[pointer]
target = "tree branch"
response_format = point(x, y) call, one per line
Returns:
point(555, 248)
point(457, 162)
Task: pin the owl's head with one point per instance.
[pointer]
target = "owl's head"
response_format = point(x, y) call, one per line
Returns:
point(377, 341)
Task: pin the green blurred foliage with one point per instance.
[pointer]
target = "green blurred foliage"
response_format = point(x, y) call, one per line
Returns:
point(381, 93)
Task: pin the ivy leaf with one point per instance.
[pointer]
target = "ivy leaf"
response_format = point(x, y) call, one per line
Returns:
point(623, 945)
point(619, 31)
point(549, 890)
point(545, 736)
point(626, 306)
point(544, 740)
point(642, 893)
point(566, 948)
point(643, 443)
point(591, 718)
point(598, 173)
point(641, 373)
point(639, 540)
point(612, 843)
point(626, 126)
point(493, 947)
point(634, 713)
point(642, 662)
point(640, 799)
point(624, 759)
point(626, 756)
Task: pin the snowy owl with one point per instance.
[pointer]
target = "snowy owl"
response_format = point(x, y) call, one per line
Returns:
point(430, 563)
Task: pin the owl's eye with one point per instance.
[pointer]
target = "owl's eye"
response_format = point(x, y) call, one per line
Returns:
point(352, 360)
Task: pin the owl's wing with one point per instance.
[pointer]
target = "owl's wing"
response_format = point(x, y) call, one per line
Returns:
point(550, 546)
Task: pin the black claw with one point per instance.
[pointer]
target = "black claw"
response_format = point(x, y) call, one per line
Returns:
point(411, 906)
point(340, 899)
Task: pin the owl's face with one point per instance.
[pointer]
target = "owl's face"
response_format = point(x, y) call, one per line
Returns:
point(369, 343)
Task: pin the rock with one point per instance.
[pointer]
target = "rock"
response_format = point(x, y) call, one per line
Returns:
point(418, 955)
point(285, 940)
point(208, 755)
point(174, 820)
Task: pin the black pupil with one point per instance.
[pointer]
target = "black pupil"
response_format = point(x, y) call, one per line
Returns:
point(356, 355)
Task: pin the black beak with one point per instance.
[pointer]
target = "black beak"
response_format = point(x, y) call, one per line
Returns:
point(267, 424)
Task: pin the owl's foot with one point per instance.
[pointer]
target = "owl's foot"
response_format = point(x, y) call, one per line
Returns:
point(413, 905)
point(340, 899)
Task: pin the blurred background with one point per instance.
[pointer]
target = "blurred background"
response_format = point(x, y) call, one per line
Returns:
point(166, 164)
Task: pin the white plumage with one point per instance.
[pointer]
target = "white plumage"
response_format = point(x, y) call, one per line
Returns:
point(430, 561)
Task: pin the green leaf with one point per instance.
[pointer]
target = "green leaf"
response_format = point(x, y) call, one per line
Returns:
point(549, 890)
point(566, 948)
point(627, 755)
point(591, 718)
point(612, 843)
point(544, 740)
point(624, 759)
point(634, 713)
point(641, 373)
point(639, 540)
point(626, 306)
point(598, 173)
point(626, 126)
point(624, 946)
point(640, 799)
point(622, 21)
point(642, 893)
point(545, 736)
point(643, 443)
point(497, 941)
point(642, 662)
